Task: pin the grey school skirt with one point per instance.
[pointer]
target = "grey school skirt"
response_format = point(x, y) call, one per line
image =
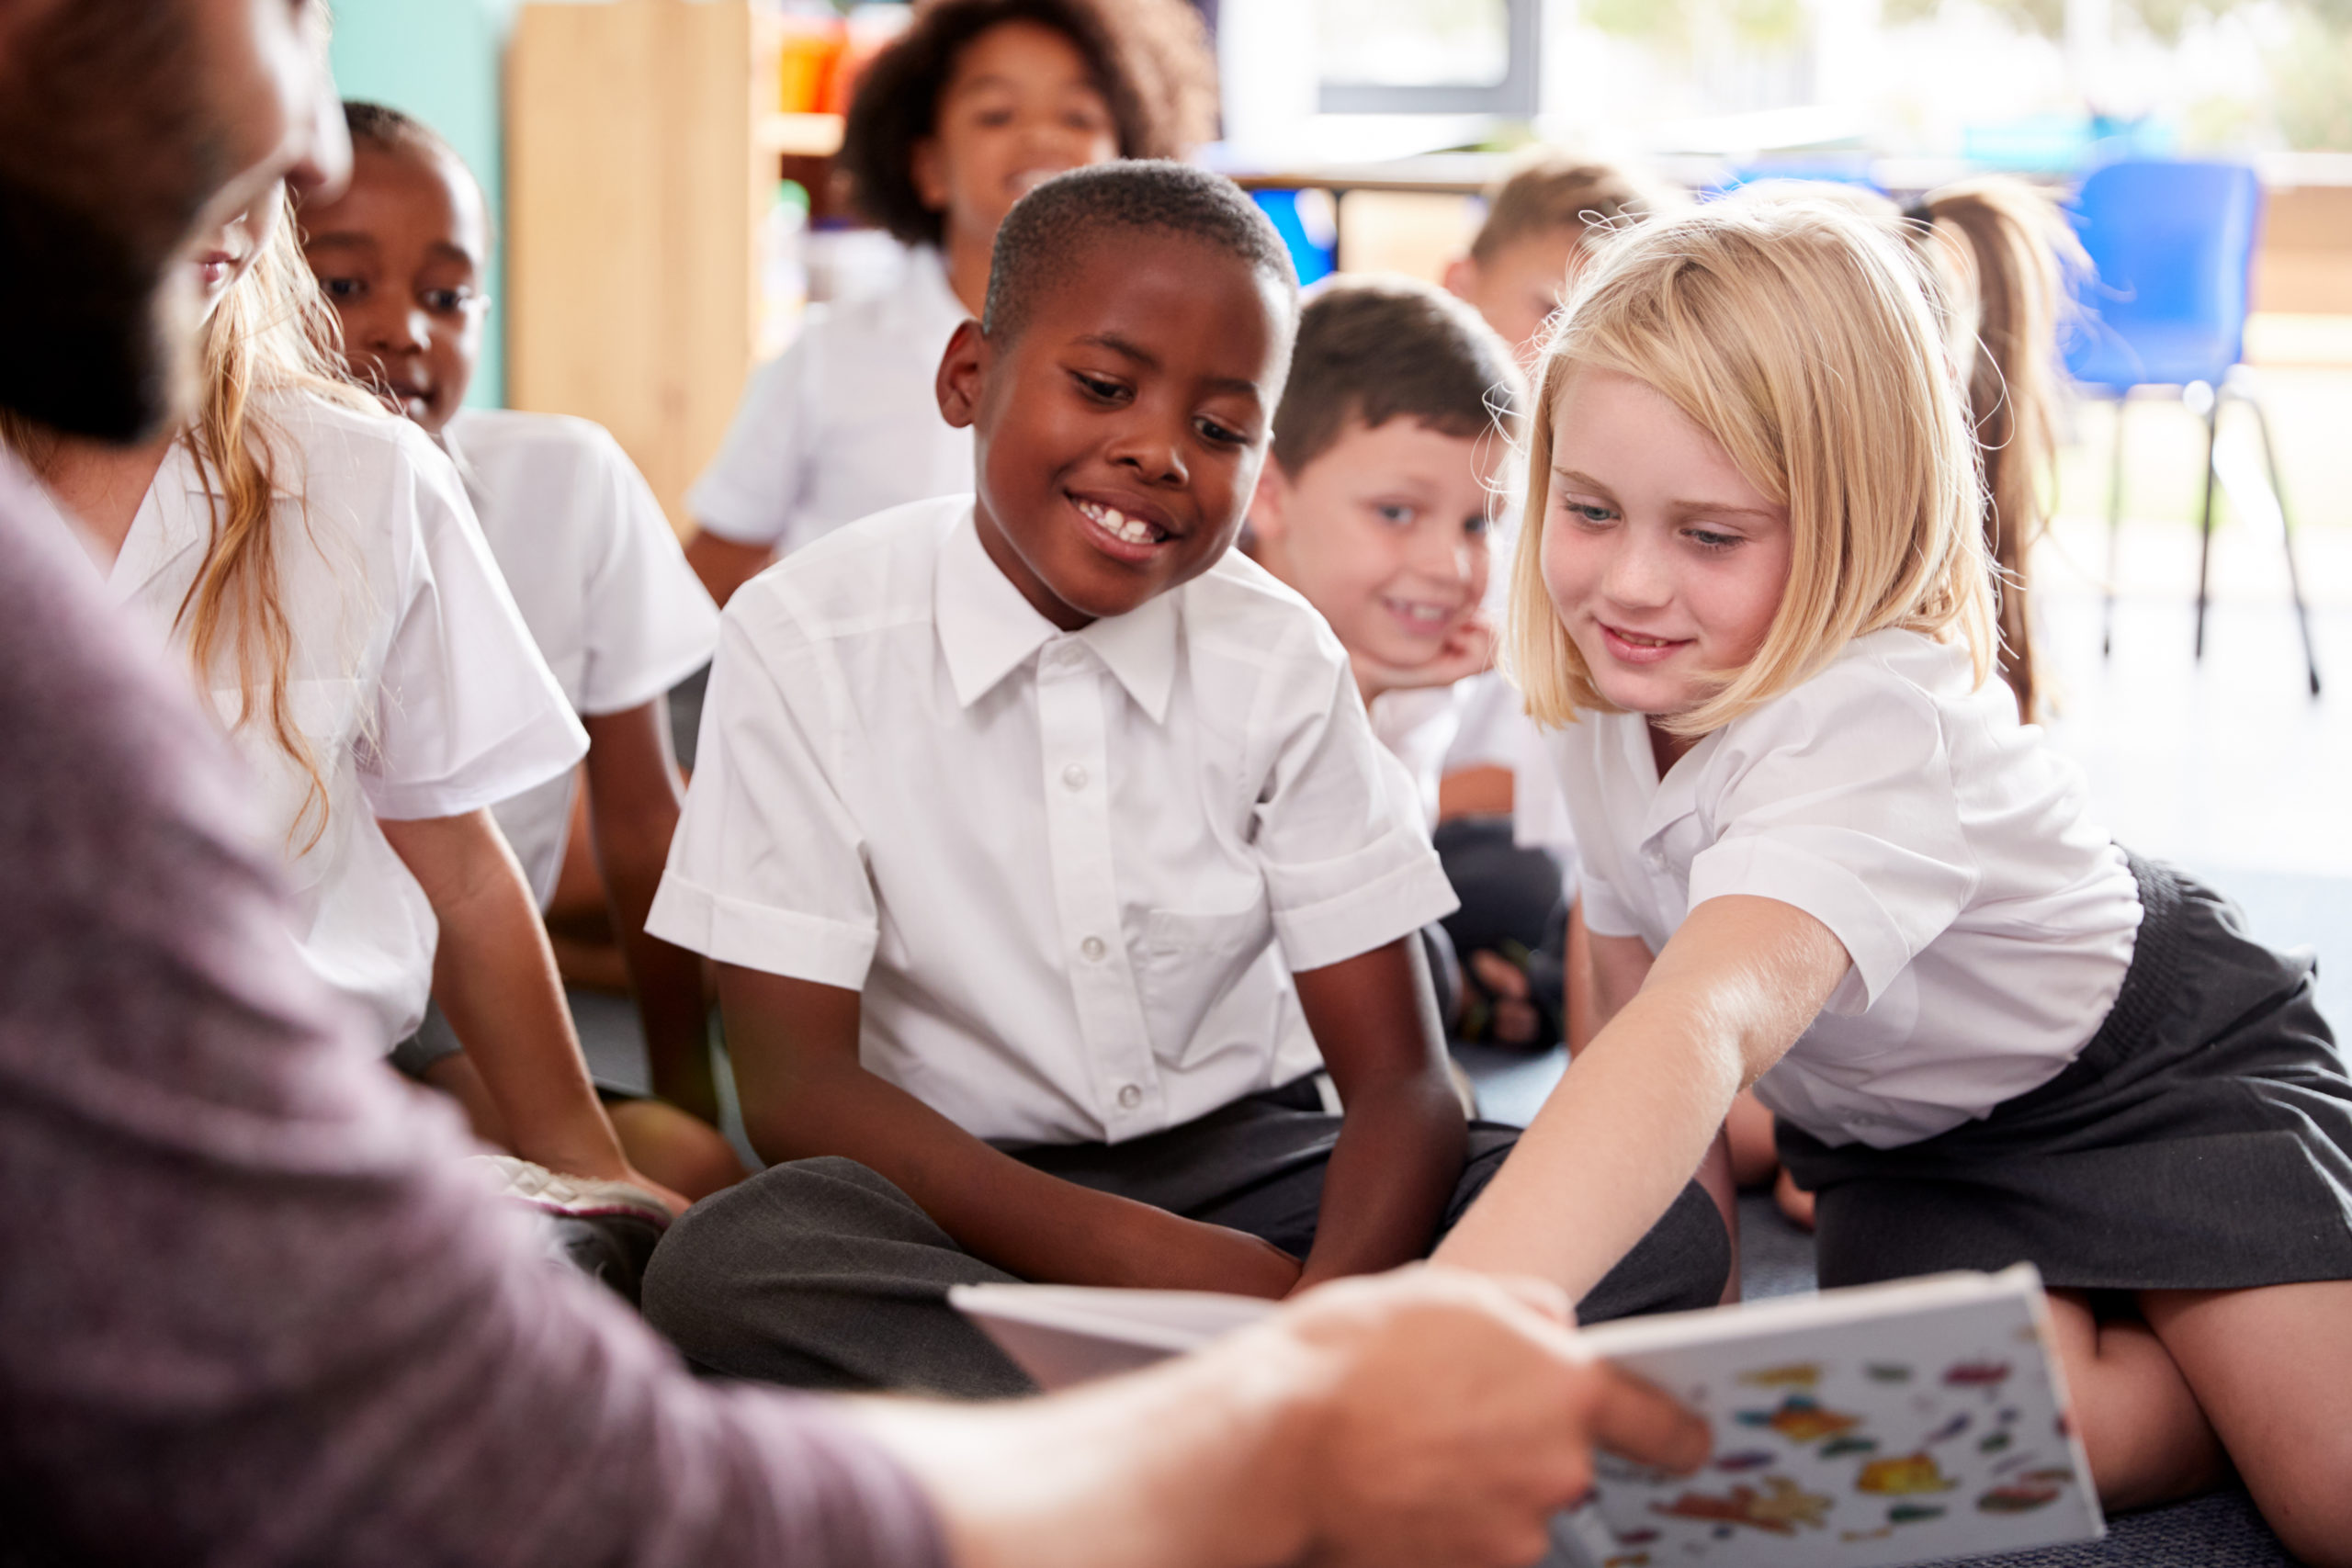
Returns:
point(2201, 1140)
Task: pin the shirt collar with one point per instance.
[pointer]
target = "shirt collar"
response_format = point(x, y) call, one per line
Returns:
point(1674, 796)
point(987, 629)
point(174, 517)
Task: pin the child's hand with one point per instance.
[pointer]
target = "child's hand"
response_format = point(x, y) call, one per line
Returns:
point(1469, 650)
point(1172, 1253)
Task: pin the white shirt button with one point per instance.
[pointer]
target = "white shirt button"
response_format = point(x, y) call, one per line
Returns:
point(1653, 857)
point(1092, 949)
point(1074, 777)
point(1129, 1097)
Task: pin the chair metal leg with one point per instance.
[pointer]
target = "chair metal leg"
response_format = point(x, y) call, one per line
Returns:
point(2205, 523)
point(2286, 533)
point(2114, 529)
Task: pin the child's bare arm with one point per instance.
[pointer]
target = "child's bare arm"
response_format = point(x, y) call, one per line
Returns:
point(794, 1048)
point(496, 980)
point(1402, 1138)
point(632, 812)
point(1626, 1127)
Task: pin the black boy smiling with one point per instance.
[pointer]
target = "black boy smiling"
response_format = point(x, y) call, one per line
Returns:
point(1120, 416)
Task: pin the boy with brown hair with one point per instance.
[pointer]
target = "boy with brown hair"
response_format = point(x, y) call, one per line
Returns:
point(1519, 267)
point(1046, 856)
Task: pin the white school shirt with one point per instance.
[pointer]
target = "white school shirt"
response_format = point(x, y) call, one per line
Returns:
point(844, 423)
point(413, 680)
point(1070, 871)
point(598, 576)
point(1989, 917)
point(1418, 725)
point(1480, 722)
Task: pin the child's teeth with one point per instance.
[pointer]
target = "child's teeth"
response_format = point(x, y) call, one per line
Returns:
point(1134, 530)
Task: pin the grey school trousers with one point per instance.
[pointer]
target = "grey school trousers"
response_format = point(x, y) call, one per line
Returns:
point(821, 1274)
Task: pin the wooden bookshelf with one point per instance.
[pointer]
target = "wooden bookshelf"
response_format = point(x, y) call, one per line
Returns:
point(641, 157)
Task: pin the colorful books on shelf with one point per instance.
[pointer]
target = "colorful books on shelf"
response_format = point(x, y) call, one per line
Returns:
point(1858, 1429)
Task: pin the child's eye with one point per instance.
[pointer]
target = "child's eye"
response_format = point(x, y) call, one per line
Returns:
point(995, 117)
point(448, 302)
point(1478, 526)
point(1098, 388)
point(1223, 434)
point(1588, 513)
point(1710, 539)
point(342, 290)
point(1395, 511)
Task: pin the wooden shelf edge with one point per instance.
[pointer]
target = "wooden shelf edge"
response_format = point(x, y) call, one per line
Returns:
point(802, 135)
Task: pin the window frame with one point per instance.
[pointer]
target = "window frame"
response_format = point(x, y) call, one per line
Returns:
point(1517, 95)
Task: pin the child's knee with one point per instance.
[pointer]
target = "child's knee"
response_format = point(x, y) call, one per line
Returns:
point(681, 1152)
point(2302, 1495)
point(1682, 1265)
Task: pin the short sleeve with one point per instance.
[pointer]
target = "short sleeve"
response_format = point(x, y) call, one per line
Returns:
point(1346, 859)
point(767, 868)
point(650, 623)
point(1839, 799)
point(749, 492)
point(467, 714)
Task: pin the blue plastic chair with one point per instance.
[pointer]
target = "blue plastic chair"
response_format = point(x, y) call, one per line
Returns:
point(2172, 244)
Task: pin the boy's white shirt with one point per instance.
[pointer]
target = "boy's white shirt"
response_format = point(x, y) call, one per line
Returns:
point(1070, 873)
point(1989, 917)
point(844, 423)
point(414, 680)
point(598, 576)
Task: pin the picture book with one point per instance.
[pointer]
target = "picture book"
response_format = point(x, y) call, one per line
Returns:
point(1857, 1428)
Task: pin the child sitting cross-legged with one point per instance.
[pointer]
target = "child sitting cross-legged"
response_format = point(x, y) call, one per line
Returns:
point(1822, 856)
point(1047, 857)
point(603, 586)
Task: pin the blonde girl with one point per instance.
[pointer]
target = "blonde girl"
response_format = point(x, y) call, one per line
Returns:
point(1999, 252)
point(1823, 857)
point(316, 564)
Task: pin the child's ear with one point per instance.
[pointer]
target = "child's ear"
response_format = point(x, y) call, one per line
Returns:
point(963, 374)
point(1461, 278)
point(1266, 518)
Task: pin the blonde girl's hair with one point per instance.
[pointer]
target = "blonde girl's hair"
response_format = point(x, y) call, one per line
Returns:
point(2002, 253)
point(273, 335)
point(1799, 334)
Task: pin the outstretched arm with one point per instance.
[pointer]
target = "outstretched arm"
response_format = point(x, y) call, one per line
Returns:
point(1402, 1137)
point(1637, 1109)
point(793, 1047)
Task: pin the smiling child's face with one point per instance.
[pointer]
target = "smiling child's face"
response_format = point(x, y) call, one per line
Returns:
point(402, 254)
point(1119, 434)
point(1384, 532)
point(1020, 107)
point(1664, 564)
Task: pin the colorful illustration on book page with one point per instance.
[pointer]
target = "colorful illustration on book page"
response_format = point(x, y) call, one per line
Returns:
point(1898, 1441)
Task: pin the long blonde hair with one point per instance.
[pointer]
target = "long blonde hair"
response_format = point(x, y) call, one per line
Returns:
point(272, 334)
point(1799, 334)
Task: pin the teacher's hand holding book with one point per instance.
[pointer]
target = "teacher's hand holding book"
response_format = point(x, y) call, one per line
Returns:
point(1418, 1417)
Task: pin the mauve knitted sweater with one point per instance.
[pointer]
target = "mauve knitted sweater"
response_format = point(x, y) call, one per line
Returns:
point(251, 1312)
